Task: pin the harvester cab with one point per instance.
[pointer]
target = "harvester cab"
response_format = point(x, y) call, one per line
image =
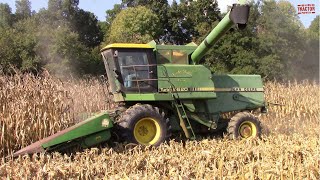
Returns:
point(161, 89)
point(133, 68)
point(130, 68)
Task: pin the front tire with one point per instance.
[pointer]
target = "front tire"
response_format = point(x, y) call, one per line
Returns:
point(244, 125)
point(145, 125)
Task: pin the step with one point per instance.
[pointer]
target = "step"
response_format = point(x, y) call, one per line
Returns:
point(193, 138)
point(183, 116)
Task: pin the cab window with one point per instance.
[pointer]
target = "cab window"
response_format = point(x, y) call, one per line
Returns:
point(136, 69)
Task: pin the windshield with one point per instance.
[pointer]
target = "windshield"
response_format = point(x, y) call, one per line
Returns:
point(134, 68)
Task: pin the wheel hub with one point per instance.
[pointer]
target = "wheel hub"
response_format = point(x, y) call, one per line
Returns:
point(147, 131)
point(143, 131)
point(247, 129)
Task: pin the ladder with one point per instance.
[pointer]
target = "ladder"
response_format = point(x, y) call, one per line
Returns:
point(184, 120)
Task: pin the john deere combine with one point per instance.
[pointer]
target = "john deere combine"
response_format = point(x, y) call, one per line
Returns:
point(162, 89)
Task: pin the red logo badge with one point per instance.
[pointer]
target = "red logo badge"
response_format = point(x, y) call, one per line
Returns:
point(306, 9)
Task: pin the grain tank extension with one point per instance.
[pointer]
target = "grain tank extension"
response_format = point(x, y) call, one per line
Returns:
point(162, 89)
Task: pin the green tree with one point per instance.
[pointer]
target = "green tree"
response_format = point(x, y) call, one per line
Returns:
point(18, 47)
point(314, 27)
point(63, 38)
point(23, 9)
point(178, 29)
point(135, 25)
point(81, 28)
point(25, 44)
point(180, 23)
point(61, 12)
point(86, 25)
point(6, 17)
point(8, 54)
point(111, 14)
point(158, 7)
point(280, 33)
point(308, 66)
point(69, 8)
point(201, 16)
point(61, 51)
point(271, 44)
point(239, 52)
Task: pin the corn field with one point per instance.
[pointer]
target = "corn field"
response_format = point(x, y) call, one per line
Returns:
point(34, 107)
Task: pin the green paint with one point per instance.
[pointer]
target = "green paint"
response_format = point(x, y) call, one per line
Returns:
point(226, 102)
point(182, 77)
point(96, 138)
point(148, 97)
point(224, 25)
point(173, 54)
point(93, 125)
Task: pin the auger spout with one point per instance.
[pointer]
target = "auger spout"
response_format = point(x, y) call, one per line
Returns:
point(238, 14)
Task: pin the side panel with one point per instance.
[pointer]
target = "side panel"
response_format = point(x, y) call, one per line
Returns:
point(203, 92)
point(233, 93)
point(237, 92)
point(186, 81)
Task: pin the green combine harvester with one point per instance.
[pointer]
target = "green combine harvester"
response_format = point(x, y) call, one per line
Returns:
point(161, 89)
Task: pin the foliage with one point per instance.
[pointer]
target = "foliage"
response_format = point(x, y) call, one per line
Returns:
point(64, 54)
point(136, 24)
point(23, 9)
point(6, 16)
point(314, 27)
point(281, 33)
point(86, 25)
point(271, 45)
point(18, 45)
point(65, 37)
point(308, 66)
point(8, 56)
point(60, 39)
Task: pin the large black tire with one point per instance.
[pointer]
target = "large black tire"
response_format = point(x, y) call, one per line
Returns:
point(244, 125)
point(145, 125)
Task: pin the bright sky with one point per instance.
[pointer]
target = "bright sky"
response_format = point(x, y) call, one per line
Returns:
point(99, 7)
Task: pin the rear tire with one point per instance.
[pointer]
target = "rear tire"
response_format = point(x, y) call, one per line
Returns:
point(145, 125)
point(244, 125)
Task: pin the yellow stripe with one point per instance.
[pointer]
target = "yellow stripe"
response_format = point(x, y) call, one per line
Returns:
point(205, 89)
point(126, 45)
point(211, 89)
point(239, 89)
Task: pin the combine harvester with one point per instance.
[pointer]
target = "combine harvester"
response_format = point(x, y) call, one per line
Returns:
point(162, 89)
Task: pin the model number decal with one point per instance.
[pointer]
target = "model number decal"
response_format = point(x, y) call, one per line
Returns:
point(174, 89)
point(244, 89)
point(210, 89)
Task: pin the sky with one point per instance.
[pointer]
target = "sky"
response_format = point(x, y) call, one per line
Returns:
point(99, 7)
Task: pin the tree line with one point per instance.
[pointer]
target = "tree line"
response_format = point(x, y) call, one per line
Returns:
point(65, 39)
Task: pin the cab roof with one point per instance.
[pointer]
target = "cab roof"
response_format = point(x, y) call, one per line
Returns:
point(127, 45)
